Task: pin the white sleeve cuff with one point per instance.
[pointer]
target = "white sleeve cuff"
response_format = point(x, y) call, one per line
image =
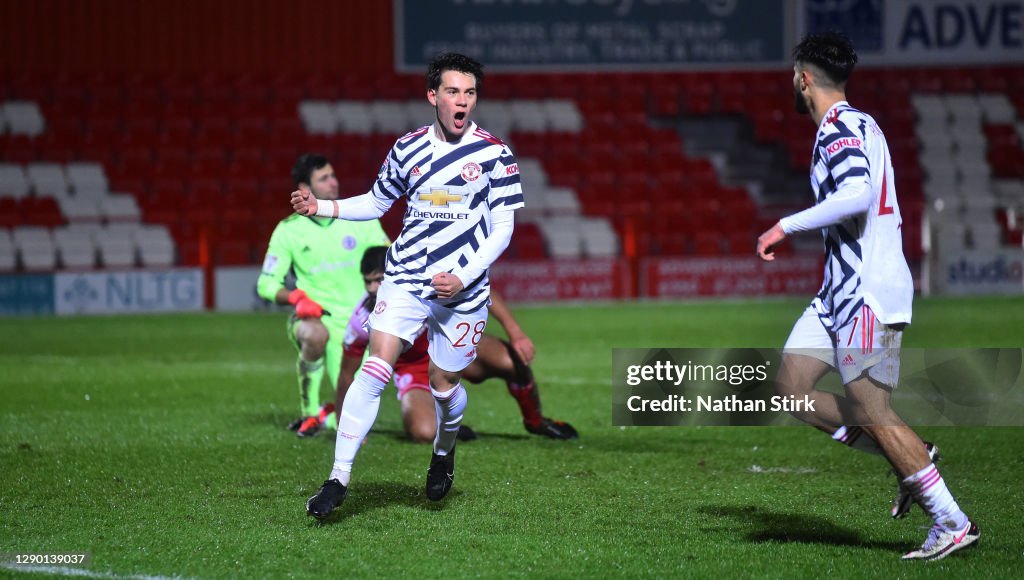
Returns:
point(359, 208)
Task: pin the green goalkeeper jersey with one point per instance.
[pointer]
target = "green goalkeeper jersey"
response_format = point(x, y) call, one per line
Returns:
point(325, 255)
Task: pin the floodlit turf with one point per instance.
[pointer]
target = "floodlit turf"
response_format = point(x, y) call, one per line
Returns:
point(157, 444)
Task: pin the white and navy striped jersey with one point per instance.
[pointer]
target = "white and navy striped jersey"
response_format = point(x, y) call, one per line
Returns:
point(451, 190)
point(864, 261)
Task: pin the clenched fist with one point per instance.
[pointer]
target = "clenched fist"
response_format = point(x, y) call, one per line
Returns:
point(446, 284)
point(303, 202)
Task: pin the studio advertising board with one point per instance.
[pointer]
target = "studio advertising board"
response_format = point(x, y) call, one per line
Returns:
point(973, 272)
point(592, 34)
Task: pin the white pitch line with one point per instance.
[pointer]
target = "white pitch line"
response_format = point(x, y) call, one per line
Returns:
point(801, 470)
point(84, 573)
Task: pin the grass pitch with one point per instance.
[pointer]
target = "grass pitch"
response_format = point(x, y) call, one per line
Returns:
point(157, 445)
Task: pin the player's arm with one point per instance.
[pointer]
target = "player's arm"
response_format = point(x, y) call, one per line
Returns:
point(516, 337)
point(853, 196)
point(368, 206)
point(276, 263)
point(359, 208)
point(449, 284)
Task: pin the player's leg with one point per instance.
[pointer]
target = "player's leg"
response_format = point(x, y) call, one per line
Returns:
point(453, 340)
point(497, 359)
point(333, 357)
point(867, 347)
point(808, 356)
point(362, 401)
point(358, 413)
point(418, 415)
point(952, 530)
point(395, 322)
point(310, 338)
point(798, 374)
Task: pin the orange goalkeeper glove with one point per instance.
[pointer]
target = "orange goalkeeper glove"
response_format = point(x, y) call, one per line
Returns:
point(305, 307)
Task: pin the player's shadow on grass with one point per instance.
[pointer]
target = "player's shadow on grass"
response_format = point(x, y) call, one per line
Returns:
point(760, 526)
point(400, 435)
point(368, 496)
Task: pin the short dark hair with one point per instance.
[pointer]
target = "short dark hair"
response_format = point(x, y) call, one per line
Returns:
point(304, 167)
point(831, 52)
point(456, 62)
point(373, 260)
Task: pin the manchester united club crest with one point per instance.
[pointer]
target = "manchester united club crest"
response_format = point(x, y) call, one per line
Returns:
point(470, 171)
point(380, 307)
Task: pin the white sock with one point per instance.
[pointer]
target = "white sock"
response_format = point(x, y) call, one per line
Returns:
point(857, 438)
point(358, 412)
point(449, 407)
point(931, 493)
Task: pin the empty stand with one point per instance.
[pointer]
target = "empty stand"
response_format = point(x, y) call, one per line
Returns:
point(599, 154)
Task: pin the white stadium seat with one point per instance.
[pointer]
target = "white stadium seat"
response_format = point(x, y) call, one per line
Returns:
point(354, 117)
point(996, 108)
point(23, 118)
point(8, 252)
point(120, 207)
point(929, 108)
point(156, 248)
point(116, 246)
point(77, 209)
point(529, 116)
point(87, 176)
point(318, 117)
point(13, 181)
point(76, 248)
point(47, 179)
point(389, 117)
point(963, 107)
point(36, 247)
point(495, 117)
point(563, 115)
point(531, 174)
point(599, 238)
point(562, 236)
point(561, 201)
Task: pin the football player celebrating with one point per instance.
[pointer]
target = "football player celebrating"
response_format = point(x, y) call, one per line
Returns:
point(462, 187)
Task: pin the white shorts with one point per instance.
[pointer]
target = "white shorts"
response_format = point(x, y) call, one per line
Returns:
point(861, 345)
point(453, 337)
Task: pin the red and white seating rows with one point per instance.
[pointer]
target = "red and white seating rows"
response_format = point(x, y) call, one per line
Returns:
point(84, 246)
point(177, 141)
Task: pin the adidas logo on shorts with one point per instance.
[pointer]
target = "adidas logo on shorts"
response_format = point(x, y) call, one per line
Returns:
point(848, 361)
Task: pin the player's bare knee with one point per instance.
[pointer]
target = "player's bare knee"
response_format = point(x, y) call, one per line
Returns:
point(790, 383)
point(421, 431)
point(798, 374)
point(313, 337)
point(442, 380)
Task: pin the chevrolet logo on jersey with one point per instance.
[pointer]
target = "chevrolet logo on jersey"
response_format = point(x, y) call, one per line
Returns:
point(440, 197)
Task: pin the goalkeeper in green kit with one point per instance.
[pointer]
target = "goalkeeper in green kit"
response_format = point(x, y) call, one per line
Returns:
point(324, 255)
